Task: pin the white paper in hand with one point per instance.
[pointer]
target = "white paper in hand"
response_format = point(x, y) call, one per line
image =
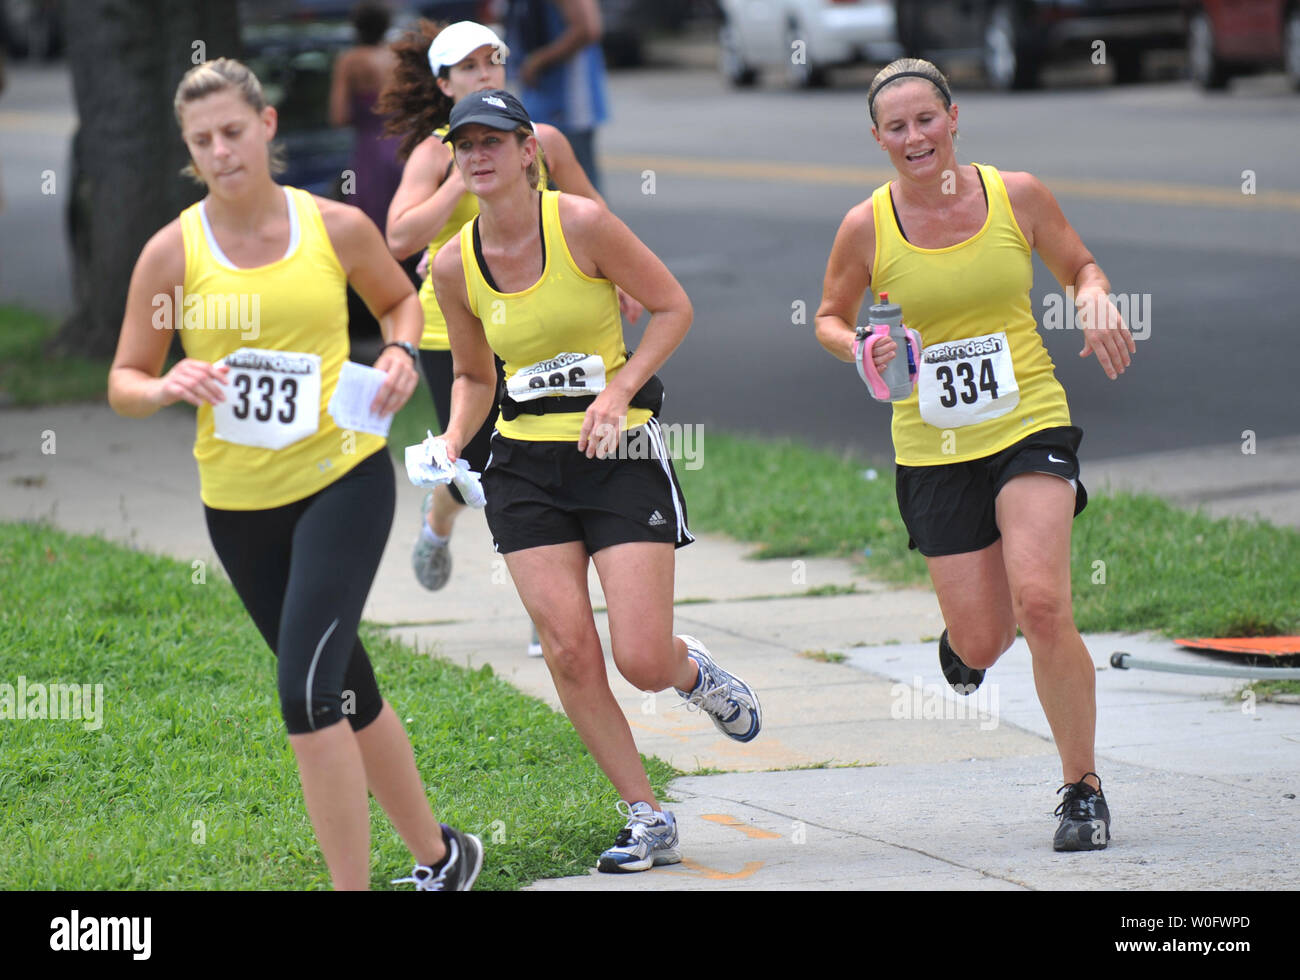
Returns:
point(426, 463)
point(427, 466)
point(353, 395)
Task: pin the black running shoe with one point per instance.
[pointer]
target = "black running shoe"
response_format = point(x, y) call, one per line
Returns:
point(1085, 818)
point(963, 679)
point(458, 869)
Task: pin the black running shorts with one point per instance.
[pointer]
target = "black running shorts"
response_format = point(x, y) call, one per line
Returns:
point(950, 509)
point(544, 493)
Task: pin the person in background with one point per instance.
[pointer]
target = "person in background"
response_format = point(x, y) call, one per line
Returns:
point(561, 69)
point(360, 74)
point(436, 68)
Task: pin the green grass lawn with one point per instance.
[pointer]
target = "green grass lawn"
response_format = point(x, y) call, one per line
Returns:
point(188, 781)
point(29, 377)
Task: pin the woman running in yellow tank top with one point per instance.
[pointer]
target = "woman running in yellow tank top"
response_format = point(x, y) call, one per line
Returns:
point(987, 473)
point(534, 278)
point(298, 510)
point(436, 69)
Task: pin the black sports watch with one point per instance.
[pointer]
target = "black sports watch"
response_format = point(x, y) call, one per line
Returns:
point(409, 348)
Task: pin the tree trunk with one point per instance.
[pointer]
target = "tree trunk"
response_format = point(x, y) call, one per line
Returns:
point(127, 57)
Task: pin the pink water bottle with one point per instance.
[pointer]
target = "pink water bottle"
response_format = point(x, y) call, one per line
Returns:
point(885, 319)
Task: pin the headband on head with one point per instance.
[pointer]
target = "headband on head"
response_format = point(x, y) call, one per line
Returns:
point(943, 89)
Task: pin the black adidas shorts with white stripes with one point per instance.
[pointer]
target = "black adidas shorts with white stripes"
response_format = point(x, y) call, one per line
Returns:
point(544, 493)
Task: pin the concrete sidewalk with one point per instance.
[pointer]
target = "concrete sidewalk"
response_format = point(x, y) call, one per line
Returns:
point(923, 789)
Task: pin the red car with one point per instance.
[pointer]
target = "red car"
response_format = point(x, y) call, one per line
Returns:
point(1239, 37)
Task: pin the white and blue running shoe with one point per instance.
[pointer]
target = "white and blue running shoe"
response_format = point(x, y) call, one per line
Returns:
point(729, 701)
point(649, 838)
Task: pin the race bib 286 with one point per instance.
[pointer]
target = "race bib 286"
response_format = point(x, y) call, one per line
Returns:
point(563, 374)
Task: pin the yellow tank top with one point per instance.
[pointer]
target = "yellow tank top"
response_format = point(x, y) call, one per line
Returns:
point(435, 324)
point(978, 288)
point(564, 312)
point(297, 303)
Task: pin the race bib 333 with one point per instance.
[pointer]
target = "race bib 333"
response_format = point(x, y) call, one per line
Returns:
point(272, 398)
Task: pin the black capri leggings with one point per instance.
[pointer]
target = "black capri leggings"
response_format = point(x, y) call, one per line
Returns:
point(437, 372)
point(303, 572)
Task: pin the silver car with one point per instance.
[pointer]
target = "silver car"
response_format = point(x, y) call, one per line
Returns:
point(802, 38)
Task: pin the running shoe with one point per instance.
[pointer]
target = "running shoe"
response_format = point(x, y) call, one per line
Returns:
point(432, 562)
point(649, 838)
point(457, 872)
point(535, 645)
point(1085, 818)
point(962, 679)
point(729, 701)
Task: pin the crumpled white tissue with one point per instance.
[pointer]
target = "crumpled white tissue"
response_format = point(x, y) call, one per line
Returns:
point(427, 466)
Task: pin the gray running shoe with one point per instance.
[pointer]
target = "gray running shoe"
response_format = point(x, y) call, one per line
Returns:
point(459, 870)
point(432, 562)
point(648, 839)
point(729, 701)
point(1085, 818)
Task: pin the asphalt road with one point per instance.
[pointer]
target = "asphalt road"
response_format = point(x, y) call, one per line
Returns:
point(741, 194)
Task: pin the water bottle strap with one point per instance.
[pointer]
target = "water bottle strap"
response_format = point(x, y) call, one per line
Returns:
point(867, 367)
point(913, 353)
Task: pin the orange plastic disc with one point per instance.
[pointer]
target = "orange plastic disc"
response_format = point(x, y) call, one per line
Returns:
point(1268, 646)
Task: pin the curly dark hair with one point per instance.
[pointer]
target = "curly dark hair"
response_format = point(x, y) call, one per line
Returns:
point(412, 101)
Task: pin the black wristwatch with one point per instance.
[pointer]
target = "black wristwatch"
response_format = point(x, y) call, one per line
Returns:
point(409, 348)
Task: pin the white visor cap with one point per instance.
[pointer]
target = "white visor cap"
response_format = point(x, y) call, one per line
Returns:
point(458, 40)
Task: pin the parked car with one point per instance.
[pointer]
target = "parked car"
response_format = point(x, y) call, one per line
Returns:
point(31, 29)
point(627, 23)
point(1239, 37)
point(1014, 39)
point(802, 38)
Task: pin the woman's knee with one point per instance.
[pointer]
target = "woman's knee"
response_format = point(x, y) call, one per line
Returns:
point(1043, 613)
point(574, 658)
point(980, 645)
point(648, 669)
point(304, 714)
